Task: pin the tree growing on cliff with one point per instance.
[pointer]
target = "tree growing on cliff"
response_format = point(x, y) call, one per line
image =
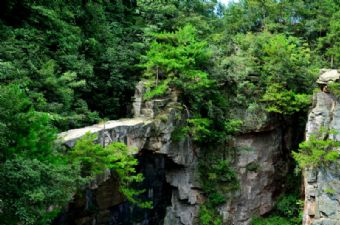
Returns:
point(117, 157)
point(318, 150)
point(175, 61)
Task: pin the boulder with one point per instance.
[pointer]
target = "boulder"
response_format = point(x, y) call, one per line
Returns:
point(328, 75)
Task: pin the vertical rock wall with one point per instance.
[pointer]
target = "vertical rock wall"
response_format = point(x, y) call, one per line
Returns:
point(261, 168)
point(322, 185)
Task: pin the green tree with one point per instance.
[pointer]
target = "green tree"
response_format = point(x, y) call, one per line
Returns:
point(317, 151)
point(37, 179)
point(94, 159)
point(76, 60)
point(175, 60)
point(33, 192)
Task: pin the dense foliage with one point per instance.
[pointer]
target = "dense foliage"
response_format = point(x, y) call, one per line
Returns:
point(69, 58)
point(37, 179)
point(287, 211)
point(65, 64)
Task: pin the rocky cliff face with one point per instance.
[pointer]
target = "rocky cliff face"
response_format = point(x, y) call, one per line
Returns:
point(322, 186)
point(170, 168)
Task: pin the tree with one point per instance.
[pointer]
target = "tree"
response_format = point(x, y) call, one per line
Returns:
point(175, 60)
point(94, 159)
point(33, 192)
point(37, 179)
point(317, 151)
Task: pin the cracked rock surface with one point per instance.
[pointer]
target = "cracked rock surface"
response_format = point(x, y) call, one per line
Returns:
point(322, 185)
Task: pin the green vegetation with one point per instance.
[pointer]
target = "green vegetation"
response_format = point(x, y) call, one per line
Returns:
point(288, 207)
point(334, 88)
point(274, 220)
point(175, 61)
point(287, 212)
point(317, 150)
point(68, 57)
point(33, 191)
point(217, 180)
point(330, 191)
point(37, 179)
point(66, 64)
point(94, 159)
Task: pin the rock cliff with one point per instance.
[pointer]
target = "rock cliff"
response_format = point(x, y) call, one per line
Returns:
point(322, 185)
point(171, 169)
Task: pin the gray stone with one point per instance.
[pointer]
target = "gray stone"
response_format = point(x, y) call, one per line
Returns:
point(328, 75)
point(326, 222)
point(322, 185)
point(257, 188)
point(327, 206)
point(180, 213)
point(132, 132)
point(311, 175)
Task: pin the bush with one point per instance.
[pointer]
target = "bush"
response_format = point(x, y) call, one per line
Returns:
point(95, 159)
point(316, 151)
point(287, 102)
point(273, 220)
point(287, 211)
point(334, 88)
point(288, 206)
point(209, 216)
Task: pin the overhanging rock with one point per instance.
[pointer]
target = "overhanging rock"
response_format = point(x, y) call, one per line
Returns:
point(132, 132)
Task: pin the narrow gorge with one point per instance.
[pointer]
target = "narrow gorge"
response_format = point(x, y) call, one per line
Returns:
point(171, 169)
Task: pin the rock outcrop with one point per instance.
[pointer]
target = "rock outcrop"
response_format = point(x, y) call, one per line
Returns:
point(322, 185)
point(261, 168)
point(172, 177)
point(132, 132)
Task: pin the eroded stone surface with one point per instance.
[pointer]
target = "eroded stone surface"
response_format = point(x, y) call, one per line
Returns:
point(132, 132)
point(322, 185)
point(258, 161)
point(259, 182)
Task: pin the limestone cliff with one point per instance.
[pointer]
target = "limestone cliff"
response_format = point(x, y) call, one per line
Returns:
point(170, 168)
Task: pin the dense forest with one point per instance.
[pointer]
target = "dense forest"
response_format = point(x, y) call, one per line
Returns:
point(66, 64)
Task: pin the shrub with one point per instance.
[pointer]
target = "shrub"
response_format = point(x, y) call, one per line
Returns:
point(209, 216)
point(95, 159)
point(273, 220)
point(287, 102)
point(33, 192)
point(334, 88)
point(217, 178)
point(287, 205)
point(316, 151)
